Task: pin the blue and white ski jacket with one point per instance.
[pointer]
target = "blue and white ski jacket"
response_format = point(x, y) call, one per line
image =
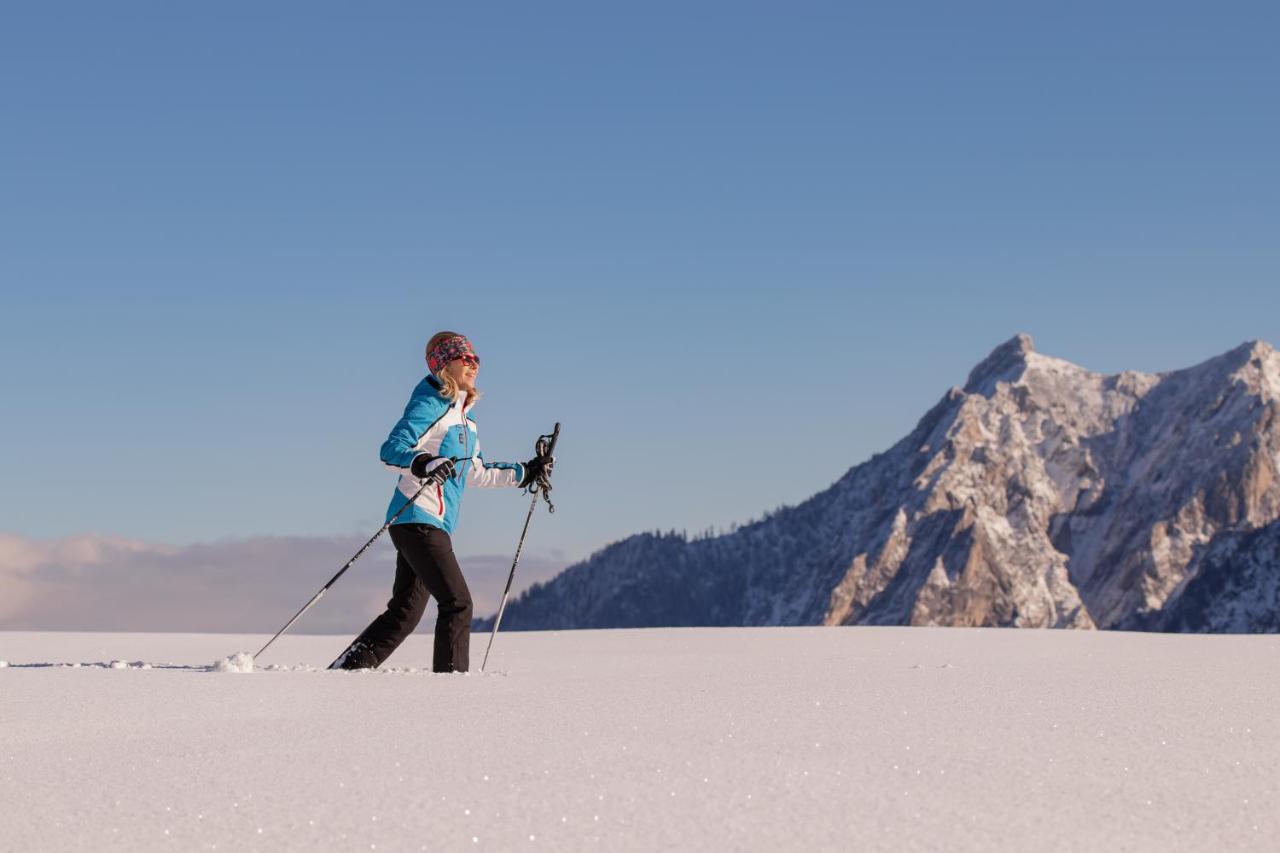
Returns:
point(436, 425)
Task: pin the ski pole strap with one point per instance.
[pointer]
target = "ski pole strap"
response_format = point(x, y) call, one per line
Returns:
point(545, 446)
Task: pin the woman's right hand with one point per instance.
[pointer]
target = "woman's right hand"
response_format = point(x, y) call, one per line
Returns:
point(436, 468)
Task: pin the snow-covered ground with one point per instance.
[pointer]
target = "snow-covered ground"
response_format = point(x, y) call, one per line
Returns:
point(710, 739)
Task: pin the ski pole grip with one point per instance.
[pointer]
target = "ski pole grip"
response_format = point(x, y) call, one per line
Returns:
point(555, 434)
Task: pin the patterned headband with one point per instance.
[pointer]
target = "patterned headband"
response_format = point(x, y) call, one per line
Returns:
point(448, 350)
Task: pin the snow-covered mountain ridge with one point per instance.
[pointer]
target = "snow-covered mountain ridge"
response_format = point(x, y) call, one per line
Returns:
point(1040, 494)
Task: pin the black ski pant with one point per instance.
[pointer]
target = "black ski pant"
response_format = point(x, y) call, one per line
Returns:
point(425, 566)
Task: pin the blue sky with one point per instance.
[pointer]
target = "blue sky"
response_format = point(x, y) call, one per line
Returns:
point(735, 248)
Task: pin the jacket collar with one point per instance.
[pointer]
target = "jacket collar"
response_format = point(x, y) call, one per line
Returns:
point(435, 383)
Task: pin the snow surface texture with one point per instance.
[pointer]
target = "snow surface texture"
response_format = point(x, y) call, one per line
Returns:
point(239, 662)
point(874, 738)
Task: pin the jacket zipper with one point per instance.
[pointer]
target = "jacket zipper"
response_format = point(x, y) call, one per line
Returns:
point(466, 440)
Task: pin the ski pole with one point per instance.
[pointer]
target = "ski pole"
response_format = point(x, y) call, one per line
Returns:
point(555, 434)
point(341, 571)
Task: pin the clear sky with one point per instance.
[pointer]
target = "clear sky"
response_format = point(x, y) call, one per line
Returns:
point(735, 248)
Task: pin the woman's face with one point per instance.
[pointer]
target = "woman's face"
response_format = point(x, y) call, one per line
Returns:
point(464, 373)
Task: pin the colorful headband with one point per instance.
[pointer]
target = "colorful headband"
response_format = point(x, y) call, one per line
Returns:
point(448, 350)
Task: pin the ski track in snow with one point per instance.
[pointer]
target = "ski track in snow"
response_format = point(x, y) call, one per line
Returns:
point(728, 739)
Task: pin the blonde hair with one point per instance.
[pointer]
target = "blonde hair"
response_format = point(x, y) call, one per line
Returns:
point(448, 384)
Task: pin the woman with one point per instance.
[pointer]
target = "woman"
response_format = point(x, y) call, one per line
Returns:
point(436, 429)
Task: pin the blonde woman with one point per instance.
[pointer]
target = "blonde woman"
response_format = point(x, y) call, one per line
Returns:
point(435, 443)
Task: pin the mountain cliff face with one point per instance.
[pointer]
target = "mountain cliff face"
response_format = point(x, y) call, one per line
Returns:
point(1038, 495)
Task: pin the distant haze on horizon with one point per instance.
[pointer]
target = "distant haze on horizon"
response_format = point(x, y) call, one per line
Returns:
point(93, 583)
point(734, 251)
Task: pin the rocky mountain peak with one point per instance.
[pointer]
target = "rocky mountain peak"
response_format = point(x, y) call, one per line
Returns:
point(1259, 349)
point(1253, 364)
point(1005, 364)
point(1265, 362)
point(1249, 353)
point(1259, 356)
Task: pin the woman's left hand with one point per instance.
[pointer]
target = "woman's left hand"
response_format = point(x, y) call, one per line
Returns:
point(534, 468)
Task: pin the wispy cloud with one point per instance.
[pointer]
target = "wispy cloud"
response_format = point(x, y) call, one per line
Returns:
point(99, 583)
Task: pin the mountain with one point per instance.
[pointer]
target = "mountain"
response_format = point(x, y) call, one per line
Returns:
point(1039, 494)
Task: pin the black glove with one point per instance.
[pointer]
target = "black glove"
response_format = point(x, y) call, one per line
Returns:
point(534, 467)
point(434, 468)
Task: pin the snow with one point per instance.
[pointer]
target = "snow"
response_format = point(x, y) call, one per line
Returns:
point(239, 662)
point(742, 738)
point(1269, 380)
